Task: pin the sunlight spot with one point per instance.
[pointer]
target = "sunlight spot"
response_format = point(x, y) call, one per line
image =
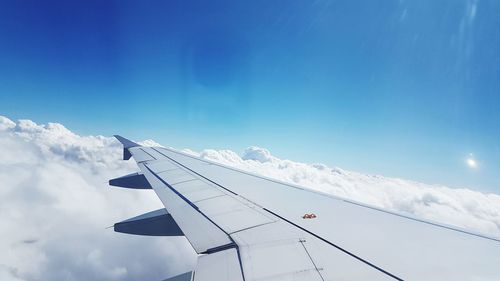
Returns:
point(471, 162)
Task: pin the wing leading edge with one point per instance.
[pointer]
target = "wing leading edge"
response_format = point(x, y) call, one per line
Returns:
point(248, 227)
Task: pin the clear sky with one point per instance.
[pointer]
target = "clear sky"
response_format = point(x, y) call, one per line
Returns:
point(400, 88)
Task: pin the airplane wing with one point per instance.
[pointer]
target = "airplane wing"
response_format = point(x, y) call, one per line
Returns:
point(248, 227)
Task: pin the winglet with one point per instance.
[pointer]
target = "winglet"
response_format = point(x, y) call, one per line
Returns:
point(126, 145)
point(126, 142)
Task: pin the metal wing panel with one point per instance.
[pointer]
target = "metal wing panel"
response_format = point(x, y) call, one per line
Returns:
point(274, 252)
point(199, 230)
point(220, 266)
point(173, 177)
point(279, 251)
point(140, 155)
point(198, 190)
point(405, 247)
point(228, 213)
point(231, 214)
point(162, 166)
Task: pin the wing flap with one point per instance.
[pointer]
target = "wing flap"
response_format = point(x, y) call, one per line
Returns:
point(220, 266)
point(279, 251)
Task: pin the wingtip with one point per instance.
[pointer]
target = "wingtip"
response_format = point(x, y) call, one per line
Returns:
point(126, 142)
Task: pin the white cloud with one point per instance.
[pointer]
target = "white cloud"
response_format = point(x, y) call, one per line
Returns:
point(6, 123)
point(55, 204)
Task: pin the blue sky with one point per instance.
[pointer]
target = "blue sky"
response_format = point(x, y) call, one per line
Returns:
point(399, 88)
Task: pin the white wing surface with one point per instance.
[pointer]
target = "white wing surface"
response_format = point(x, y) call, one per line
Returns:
point(248, 227)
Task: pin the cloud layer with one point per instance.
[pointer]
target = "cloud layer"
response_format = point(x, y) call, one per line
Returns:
point(55, 204)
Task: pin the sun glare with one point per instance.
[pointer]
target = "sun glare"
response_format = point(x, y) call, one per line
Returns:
point(471, 163)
